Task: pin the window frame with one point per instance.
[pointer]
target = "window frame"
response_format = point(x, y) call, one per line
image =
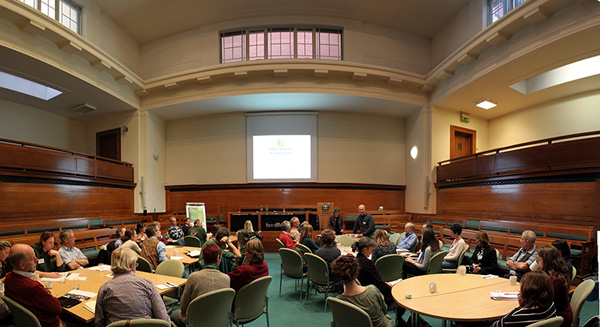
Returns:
point(58, 11)
point(508, 6)
point(247, 43)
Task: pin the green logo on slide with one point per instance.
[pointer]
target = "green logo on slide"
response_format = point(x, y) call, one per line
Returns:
point(280, 143)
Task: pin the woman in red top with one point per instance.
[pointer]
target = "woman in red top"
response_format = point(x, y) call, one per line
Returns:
point(555, 266)
point(256, 267)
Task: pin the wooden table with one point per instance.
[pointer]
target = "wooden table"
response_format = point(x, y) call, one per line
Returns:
point(187, 260)
point(458, 298)
point(94, 280)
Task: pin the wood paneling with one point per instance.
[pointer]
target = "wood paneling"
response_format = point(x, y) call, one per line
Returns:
point(558, 202)
point(220, 199)
point(36, 200)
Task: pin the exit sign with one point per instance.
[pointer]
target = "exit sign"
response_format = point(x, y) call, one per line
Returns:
point(465, 118)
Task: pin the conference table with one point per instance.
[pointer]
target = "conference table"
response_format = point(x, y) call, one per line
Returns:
point(182, 253)
point(458, 298)
point(95, 279)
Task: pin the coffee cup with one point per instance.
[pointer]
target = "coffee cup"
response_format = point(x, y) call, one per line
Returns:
point(432, 287)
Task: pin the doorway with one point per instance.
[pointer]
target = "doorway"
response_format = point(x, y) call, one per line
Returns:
point(462, 142)
point(108, 144)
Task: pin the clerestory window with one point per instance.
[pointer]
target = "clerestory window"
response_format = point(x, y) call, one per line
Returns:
point(281, 43)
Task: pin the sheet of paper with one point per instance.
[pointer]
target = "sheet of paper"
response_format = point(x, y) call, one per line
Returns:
point(48, 279)
point(101, 268)
point(72, 276)
point(394, 282)
point(176, 258)
point(170, 246)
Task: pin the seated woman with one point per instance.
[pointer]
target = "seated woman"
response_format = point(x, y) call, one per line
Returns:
point(200, 282)
point(256, 267)
point(127, 296)
point(384, 245)
point(285, 237)
point(368, 273)
point(243, 236)
point(140, 230)
point(563, 248)
point(49, 261)
point(128, 240)
point(483, 261)
point(306, 238)
point(419, 267)
point(248, 226)
point(535, 301)
point(367, 298)
point(554, 265)
point(5, 317)
point(458, 245)
point(328, 251)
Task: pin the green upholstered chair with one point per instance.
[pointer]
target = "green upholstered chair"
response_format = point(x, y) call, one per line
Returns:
point(291, 266)
point(347, 314)
point(212, 309)
point(251, 301)
point(22, 316)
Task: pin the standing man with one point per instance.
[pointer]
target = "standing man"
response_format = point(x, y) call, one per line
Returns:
point(70, 255)
point(336, 222)
point(409, 240)
point(365, 222)
point(520, 262)
point(28, 292)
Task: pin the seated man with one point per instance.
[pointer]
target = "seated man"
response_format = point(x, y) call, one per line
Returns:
point(71, 256)
point(228, 257)
point(153, 250)
point(409, 240)
point(175, 233)
point(30, 293)
point(199, 231)
point(120, 232)
point(520, 262)
point(187, 225)
point(200, 282)
point(285, 236)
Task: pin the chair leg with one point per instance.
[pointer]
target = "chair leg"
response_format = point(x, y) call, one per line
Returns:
point(301, 287)
point(267, 309)
point(280, 278)
point(307, 290)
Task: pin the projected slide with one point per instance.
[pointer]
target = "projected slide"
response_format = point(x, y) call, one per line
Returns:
point(282, 156)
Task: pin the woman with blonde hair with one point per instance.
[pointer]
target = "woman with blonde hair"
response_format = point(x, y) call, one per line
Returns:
point(248, 226)
point(306, 237)
point(127, 296)
point(384, 245)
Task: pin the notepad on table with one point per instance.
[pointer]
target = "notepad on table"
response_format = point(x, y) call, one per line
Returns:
point(90, 305)
point(498, 295)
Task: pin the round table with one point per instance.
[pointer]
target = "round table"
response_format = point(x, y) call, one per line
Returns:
point(458, 298)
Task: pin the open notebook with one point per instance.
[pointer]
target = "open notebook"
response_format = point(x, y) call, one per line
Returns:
point(90, 305)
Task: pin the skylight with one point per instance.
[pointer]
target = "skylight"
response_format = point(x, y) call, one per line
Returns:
point(25, 86)
point(567, 73)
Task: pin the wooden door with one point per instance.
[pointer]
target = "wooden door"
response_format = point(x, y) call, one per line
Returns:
point(108, 144)
point(462, 142)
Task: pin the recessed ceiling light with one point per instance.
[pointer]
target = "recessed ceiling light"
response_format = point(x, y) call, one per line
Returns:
point(485, 104)
point(25, 86)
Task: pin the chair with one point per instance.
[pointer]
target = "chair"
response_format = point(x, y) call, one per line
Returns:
point(140, 323)
point(460, 259)
point(390, 267)
point(144, 265)
point(318, 273)
point(212, 309)
point(582, 291)
point(347, 314)
point(291, 266)
point(22, 316)
point(396, 238)
point(593, 322)
point(573, 274)
point(550, 322)
point(251, 301)
point(345, 240)
point(190, 240)
point(173, 268)
point(303, 249)
point(435, 263)
point(281, 245)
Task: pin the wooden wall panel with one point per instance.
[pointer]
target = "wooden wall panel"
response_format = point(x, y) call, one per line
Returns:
point(560, 202)
point(24, 200)
point(220, 199)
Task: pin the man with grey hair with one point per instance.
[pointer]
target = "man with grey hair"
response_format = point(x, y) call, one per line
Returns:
point(520, 263)
point(71, 256)
point(409, 240)
point(285, 236)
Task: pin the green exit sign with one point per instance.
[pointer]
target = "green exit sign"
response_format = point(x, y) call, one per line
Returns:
point(465, 118)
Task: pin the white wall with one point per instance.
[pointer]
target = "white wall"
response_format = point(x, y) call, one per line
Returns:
point(153, 170)
point(352, 148)
point(23, 123)
point(571, 115)
point(368, 44)
point(417, 128)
